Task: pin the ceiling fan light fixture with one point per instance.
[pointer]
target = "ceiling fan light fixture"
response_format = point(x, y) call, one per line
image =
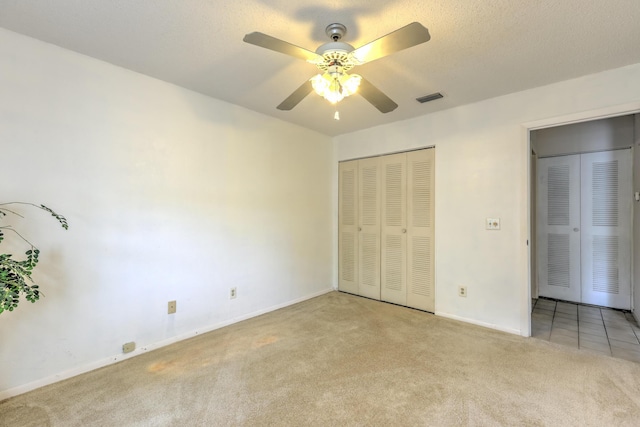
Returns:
point(334, 87)
point(325, 85)
point(350, 83)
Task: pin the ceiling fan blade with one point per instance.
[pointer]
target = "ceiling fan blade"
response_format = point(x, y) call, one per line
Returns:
point(408, 36)
point(297, 96)
point(268, 42)
point(375, 96)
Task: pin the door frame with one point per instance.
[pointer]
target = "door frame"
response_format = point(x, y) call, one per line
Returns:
point(528, 193)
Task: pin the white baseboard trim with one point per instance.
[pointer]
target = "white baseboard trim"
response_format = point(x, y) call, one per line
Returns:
point(15, 391)
point(478, 323)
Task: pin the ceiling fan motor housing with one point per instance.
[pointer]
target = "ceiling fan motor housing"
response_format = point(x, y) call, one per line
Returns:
point(336, 53)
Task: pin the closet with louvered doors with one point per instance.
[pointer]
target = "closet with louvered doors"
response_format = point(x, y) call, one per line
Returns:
point(407, 244)
point(584, 228)
point(392, 259)
point(359, 227)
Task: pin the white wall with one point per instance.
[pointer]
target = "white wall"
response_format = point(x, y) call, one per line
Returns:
point(636, 220)
point(596, 135)
point(482, 159)
point(170, 195)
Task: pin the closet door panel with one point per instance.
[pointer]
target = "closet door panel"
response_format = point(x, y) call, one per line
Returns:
point(558, 231)
point(348, 227)
point(394, 229)
point(420, 229)
point(369, 227)
point(606, 228)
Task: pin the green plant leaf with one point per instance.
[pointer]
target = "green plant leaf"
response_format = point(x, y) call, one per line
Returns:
point(15, 275)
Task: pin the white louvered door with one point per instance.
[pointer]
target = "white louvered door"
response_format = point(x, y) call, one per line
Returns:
point(558, 231)
point(394, 229)
point(348, 227)
point(584, 228)
point(606, 228)
point(386, 228)
point(369, 228)
point(420, 229)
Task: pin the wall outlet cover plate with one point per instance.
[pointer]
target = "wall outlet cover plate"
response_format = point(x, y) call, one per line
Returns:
point(493, 224)
point(128, 347)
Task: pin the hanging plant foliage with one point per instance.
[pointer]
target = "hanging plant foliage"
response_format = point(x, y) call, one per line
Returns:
point(15, 275)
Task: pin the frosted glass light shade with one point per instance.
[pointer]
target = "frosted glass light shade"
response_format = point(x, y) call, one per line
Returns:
point(321, 83)
point(335, 87)
point(350, 83)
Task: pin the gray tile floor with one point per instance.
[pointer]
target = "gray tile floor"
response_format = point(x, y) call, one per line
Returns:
point(595, 329)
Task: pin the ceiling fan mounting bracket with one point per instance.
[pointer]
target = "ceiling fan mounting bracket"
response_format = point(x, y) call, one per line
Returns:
point(335, 31)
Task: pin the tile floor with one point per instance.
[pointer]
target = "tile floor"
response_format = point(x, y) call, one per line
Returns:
point(599, 330)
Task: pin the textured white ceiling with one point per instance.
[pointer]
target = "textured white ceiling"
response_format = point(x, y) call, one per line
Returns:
point(478, 49)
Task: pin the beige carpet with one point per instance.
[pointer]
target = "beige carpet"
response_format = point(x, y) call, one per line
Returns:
point(342, 360)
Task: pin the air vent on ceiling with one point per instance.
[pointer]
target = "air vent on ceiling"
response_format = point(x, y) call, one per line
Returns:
point(428, 98)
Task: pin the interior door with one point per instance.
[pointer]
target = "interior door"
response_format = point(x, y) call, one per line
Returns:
point(421, 229)
point(348, 227)
point(369, 228)
point(558, 233)
point(394, 229)
point(606, 228)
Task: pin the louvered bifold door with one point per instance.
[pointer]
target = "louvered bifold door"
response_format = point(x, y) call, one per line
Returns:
point(348, 227)
point(606, 228)
point(420, 229)
point(394, 229)
point(558, 231)
point(369, 228)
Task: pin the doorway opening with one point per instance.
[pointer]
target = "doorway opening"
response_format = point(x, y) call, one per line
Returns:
point(583, 211)
point(582, 186)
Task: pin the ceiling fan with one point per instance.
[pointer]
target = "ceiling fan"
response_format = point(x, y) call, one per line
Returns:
point(335, 58)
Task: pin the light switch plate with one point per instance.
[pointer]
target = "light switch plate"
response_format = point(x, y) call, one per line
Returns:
point(493, 223)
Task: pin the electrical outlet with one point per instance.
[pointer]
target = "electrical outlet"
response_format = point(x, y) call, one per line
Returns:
point(233, 292)
point(171, 307)
point(128, 347)
point(462, 291)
